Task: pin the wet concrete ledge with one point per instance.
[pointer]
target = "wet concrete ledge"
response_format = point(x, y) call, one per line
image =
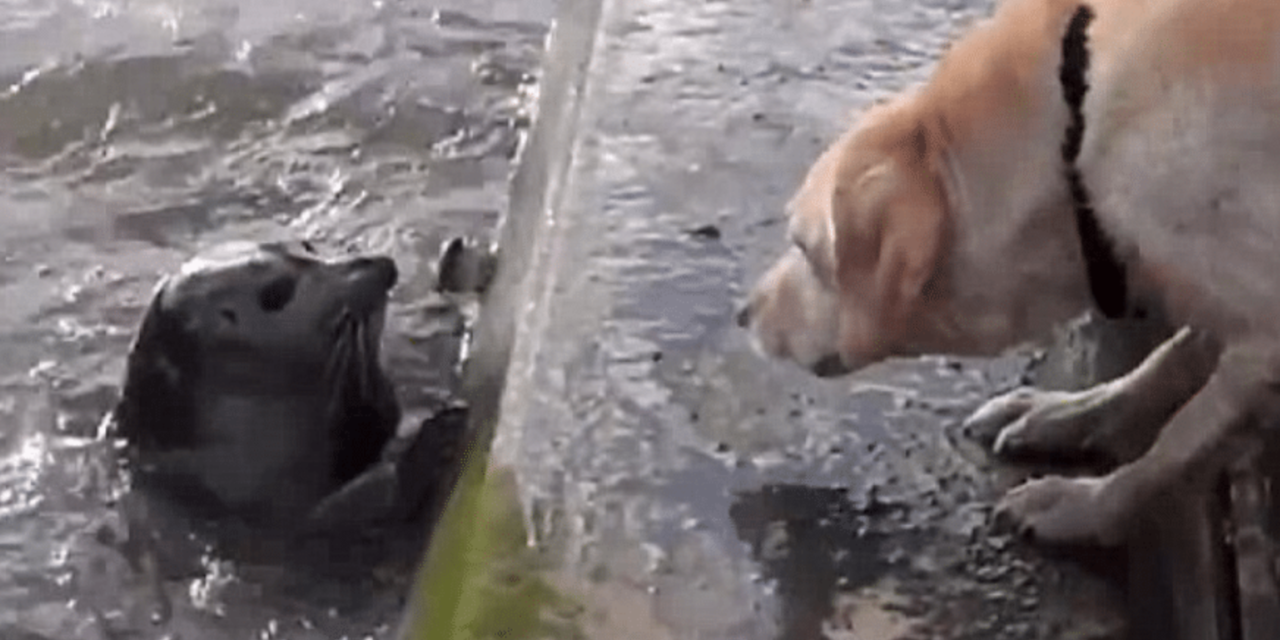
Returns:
point(658, 478)
point(435, 608)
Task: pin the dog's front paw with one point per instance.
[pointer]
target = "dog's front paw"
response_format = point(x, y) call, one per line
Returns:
point(1064, 511)
point(1035, 422)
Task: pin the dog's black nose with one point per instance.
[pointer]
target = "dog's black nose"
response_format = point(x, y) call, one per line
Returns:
point(743, 315)
point(383, 270)
point(830, 367)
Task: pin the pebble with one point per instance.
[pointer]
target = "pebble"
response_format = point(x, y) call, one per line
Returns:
point(706, 232)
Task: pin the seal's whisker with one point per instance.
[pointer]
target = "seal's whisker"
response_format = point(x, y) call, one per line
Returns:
point(371, 365)
point(363, 355)
point(342, 323)
point(335, 370)
point(353, 364)
point(340, 355)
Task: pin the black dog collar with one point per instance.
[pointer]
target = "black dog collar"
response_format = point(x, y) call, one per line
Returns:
point(1107, 279)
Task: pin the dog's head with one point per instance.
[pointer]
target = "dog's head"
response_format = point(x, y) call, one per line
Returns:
point(942, 222)
point(865, 276)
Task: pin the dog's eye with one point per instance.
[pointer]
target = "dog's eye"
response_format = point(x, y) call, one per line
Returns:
point(308, 247)
point(277, 293)
point(229, 315)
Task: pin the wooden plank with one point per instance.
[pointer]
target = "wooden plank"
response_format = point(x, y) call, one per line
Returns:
point(1178, 586)
point(1201, 587)
point(1254, 552)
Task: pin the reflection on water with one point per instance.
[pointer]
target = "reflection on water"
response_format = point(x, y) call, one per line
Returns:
point(133, 132)
point(800, 535)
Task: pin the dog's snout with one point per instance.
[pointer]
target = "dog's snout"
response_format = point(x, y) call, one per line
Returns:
point(743, 315)
point(382, 269)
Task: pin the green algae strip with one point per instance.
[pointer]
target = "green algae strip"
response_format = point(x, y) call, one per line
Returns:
point(479, 579)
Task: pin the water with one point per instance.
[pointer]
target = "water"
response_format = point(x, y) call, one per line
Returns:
point(132, 133)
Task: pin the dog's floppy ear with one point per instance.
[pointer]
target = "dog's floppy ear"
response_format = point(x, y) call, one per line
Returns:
point(890, 226)
point(155, 408)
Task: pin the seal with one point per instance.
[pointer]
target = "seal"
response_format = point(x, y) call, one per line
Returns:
point(254, 385)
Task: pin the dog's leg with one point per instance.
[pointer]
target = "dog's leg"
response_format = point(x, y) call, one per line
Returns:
point(1117, 419)
point(1194, 446)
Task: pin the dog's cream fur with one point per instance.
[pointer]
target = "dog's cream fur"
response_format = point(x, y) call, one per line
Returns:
point(941, 222)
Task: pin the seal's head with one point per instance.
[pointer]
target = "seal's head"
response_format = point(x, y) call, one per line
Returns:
point(255, 379)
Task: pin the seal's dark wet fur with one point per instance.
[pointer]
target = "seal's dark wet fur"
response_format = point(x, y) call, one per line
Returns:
point(157, 411)
point(157, 402)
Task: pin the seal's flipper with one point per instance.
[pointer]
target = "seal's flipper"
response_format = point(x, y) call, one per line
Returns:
point(367, 500)
point(465, 267)
point(428, 467)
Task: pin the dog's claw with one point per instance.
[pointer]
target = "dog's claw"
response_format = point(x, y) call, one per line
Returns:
point(1060, 511)
point(1030, 421)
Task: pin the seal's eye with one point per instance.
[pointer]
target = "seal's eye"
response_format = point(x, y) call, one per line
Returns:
point(277, 293)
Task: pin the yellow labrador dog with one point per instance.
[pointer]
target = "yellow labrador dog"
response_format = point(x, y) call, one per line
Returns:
point(1117, 153)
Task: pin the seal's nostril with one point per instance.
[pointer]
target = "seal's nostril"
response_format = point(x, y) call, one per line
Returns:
point(744, 316)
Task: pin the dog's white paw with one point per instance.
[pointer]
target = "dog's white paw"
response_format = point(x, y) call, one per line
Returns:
point(1065, 511)
point(1030, 421)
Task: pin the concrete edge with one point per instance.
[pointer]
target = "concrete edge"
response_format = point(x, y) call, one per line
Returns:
point(521, 246)
point(535, 189)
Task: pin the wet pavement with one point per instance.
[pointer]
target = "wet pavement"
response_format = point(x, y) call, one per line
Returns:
point(672, 483)
point(133, 132)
